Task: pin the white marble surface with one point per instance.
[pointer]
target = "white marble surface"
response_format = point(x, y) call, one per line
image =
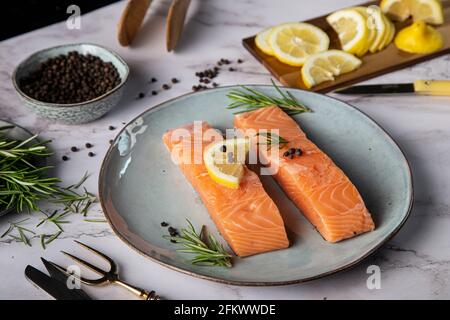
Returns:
point(415, 264)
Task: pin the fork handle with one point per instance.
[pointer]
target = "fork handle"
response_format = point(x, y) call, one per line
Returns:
point(141, 293)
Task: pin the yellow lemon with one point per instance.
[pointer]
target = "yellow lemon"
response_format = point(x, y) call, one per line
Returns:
point(351, 27)
point(292, 43)
point(419, 38)
point(372, 32)
point(378, 22)
point(262, 41)
point(225, 159)
point(430, 11)
point(325, 66)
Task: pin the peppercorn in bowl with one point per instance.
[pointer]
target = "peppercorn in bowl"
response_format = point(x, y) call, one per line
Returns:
point(72, 84)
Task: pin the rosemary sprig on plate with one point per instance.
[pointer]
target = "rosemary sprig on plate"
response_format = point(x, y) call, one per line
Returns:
point(250, 99)
point(272, 139)
point(208, 251)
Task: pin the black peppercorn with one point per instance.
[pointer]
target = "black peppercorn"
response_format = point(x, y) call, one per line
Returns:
point(154, 93)
point(74, 149)
point(240, 61)
point(91, 154)
point(298, 152)
point(165, 86)
point(223, 148)
point(286, 154)
point(141, 95)
point(111, 128)
point(154, 80)
point(172, 231)
point(175, 80)
point(88, 145)
point(65, 158)
point(164, 224)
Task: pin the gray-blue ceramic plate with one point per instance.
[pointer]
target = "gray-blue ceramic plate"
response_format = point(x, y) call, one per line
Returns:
point(140, 187)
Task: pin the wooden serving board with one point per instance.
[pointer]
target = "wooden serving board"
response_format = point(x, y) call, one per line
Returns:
point(373, 65)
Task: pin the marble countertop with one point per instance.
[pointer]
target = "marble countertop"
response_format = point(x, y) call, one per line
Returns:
point(415, 264)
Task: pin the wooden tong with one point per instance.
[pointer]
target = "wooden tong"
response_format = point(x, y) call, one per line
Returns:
point(133, 16)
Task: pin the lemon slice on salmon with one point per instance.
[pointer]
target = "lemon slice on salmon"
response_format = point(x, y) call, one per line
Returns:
point(262, 41)
point(325, 66)
point(293, 42)
point(430, 11)
point(225, 160)
point(351, 27)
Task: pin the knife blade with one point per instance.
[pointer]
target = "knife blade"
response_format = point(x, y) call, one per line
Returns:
point(53, 287)
point(56, 272)
point(425, 87)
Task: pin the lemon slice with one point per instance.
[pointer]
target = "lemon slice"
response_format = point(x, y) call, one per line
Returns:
point(391, 34)
point(262, 41)
point(325, 66)
point(372, 32)
point(387, 34)
point(225, 159)
point(430, 11)
point(351, 27)
point(292, 43)
point(377, 22)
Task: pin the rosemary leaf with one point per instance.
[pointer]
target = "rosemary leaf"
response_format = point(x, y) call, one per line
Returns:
point(95, 220)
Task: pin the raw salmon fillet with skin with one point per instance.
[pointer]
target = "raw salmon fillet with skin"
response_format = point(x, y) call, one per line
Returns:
point(246, 217)
point(317, 186)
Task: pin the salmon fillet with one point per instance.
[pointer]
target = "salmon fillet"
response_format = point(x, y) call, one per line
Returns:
point(246, 217)
point(317, 186)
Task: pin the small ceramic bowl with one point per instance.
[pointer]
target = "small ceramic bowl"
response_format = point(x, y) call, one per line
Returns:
point(15, 133)
point(73, 113)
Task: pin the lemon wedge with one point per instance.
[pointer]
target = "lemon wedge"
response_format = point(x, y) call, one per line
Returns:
point(292, 43)
point(225, 160)
point(262, 41)
point(325, 66)
point(419, 38)
point(430, 11)
point(397, 10)
point(351, 27)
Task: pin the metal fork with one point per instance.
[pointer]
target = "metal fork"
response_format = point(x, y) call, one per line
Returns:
point(108, 277)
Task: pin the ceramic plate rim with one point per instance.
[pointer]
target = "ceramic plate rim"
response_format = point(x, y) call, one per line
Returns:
point(353, 263)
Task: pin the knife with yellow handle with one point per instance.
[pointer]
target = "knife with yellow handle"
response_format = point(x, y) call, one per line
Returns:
point(424, 87)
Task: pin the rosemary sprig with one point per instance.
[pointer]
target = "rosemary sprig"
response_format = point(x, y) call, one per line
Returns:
point(56, 218)
point(48, 238)
point(249, 99)
point(208, 251)
point(23, 184)
point(21, 230)
point(272, 139)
